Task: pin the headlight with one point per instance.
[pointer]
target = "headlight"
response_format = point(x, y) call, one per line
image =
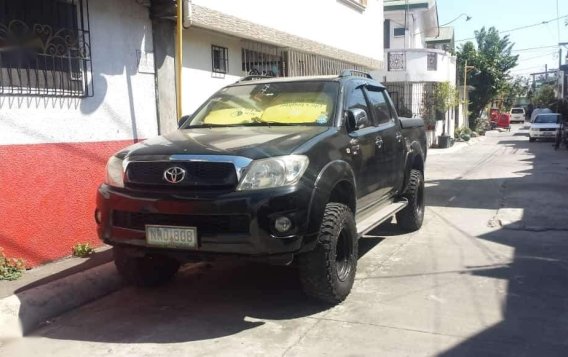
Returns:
point(274, 172)
point(115, 172)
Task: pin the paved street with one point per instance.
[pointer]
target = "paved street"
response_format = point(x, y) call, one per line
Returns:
point(486, 276)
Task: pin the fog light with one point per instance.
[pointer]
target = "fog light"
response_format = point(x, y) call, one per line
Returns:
point(98, 216)
point(282, 224)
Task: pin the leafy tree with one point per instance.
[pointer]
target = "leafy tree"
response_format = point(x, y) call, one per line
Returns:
point(492, 58)
point(514, 88)
point(544, 96)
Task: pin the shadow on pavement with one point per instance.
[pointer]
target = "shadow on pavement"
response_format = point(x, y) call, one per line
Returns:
point(535, 309)
point(204, 302)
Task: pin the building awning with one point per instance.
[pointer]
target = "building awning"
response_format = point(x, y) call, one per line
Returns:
point(446, 35)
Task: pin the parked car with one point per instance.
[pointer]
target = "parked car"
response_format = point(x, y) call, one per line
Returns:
point(544, 126)
point(277, 170)
point(518, 115)
point(538, 111)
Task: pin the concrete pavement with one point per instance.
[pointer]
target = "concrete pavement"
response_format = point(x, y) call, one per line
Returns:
point(472, 282)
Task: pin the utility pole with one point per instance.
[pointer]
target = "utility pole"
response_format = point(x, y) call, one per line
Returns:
point(546, 73)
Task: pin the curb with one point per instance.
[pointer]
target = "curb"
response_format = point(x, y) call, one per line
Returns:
point(458, 146)
point(22, 312)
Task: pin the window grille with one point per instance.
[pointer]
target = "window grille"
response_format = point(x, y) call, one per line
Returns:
point(397, 61)
point(262, 59)
point(432, 61)
point(45, 48)
point(219, 59)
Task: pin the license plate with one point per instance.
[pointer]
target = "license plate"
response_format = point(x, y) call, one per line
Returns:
point(171, 237)
point(549, 133)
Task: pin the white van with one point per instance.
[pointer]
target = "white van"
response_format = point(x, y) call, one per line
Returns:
point(517, 115)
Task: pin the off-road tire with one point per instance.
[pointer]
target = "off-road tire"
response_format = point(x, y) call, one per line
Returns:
point(327, 273)
point(531, 140)
point(411, 217)
point(146, 271)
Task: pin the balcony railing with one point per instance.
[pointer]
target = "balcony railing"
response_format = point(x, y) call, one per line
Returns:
point(398, 60)
point(419, 65)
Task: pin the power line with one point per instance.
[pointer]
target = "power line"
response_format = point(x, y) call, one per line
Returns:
point(533, 48)
point(520, 28)
point(525, 69)
point(540, 56)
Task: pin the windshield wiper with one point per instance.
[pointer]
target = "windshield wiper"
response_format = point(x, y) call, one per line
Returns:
point(272, 123)
point(207, 126)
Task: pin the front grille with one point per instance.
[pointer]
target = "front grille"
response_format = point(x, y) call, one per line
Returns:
point(206, 225)
point(201, 175)
point(548, 129)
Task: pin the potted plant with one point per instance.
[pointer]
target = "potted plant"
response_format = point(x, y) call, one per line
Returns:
point(445, 98)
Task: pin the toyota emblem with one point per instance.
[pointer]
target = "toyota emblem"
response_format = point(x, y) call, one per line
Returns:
point(174, 174)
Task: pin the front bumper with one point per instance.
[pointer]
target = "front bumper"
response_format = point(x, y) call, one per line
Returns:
point(551, 134)
point(231, 223)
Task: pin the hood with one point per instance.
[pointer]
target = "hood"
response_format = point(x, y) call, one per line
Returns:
point(251, 142)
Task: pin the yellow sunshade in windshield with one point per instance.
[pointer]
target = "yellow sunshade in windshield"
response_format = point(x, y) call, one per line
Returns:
point(231, 116)
point(298, 108)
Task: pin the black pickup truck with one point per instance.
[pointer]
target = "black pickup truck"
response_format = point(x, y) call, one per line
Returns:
point(283, 170)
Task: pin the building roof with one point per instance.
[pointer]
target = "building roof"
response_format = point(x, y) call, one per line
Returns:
point(394, 5)
point(446, 35)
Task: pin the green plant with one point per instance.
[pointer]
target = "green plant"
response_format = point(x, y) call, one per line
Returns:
point(10, 268)
point(82, 250)
point(460, 132)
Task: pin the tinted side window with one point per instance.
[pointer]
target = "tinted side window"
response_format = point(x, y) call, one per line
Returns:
point(357, 101)
point(379, 107)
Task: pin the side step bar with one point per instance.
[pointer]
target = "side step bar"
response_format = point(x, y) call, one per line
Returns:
point(372, 217)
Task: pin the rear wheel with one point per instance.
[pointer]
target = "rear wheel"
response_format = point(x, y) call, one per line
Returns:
point(149, 270)
point(328, 272)
point(411, 217)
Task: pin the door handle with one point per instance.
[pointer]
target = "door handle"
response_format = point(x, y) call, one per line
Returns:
point(354, 143)
point(398, 136)
point(379, 142)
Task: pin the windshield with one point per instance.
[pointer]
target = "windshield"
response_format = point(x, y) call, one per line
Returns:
point(547, 119)
point(290, 103)
point(517, 111)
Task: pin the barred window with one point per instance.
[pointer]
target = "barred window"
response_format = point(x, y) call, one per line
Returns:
point(219, 59)
point(44, 48)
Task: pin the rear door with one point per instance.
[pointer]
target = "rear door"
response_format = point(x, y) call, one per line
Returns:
point(390, 144)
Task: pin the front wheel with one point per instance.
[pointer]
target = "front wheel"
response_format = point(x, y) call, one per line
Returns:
point(148, 270)
point(327, 273)
point(531, 140)
point(411, 217)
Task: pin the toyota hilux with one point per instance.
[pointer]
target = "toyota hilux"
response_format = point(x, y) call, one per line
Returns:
point(282, 170)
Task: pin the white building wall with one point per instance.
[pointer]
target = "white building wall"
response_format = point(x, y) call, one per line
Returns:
point(331, 22)
point(199, 82)
point(123, 106)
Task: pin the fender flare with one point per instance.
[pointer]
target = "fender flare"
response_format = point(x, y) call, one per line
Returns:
point(331, 174)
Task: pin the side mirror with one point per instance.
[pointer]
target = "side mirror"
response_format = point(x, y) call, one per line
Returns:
point(182, 120)
point(357, 119)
